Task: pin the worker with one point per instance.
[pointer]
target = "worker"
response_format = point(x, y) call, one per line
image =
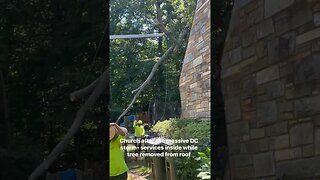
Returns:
point(118, 167)
point(138, 133)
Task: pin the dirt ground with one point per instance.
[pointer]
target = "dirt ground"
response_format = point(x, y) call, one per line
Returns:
point(139, 170)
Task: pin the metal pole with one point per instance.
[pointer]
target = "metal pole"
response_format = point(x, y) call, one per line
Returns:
point(132, 36)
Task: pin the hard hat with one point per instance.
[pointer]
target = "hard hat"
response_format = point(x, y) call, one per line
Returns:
point(139, 122)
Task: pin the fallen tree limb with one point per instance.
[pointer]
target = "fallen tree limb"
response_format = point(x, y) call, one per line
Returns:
point(136, 90)
point(155, 67)
point(58, 149)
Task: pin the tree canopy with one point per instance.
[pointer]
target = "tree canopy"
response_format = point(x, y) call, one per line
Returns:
point(131, 60)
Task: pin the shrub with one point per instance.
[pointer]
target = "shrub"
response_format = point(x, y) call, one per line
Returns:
point(201, 131)
point(196, 165)
point(165, 128)
point(205, 168)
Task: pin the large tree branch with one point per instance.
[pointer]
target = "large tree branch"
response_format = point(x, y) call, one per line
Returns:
point(101, 85)
point(136, 90)
point(159, 21)
point(83, 92)
point(155, 67)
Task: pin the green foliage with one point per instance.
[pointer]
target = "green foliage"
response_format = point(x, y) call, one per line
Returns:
point(46, 51)
point(201, 131)
point(205, 168)
point(165, 128)
point(198, 165)
point(187, 167)
point(185, 128)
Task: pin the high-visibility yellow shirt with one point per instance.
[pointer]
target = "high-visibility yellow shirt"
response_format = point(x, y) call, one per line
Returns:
point(118, 165)
point(138, 130)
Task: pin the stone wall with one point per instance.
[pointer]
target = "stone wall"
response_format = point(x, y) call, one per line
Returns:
point(195, 74)
point(271, 84)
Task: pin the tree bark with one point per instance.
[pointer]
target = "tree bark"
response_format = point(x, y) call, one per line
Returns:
point(101, 86)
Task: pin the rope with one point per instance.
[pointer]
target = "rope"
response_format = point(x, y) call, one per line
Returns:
point(166, 91)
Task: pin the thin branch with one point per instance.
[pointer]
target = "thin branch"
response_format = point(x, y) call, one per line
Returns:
point(155, 67)
point(134, 91)
point(101, 85)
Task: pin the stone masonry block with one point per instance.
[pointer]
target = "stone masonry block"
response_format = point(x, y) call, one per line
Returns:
point(244, 172)
point(286, 70)
point(317, 141)
point(264, 144)
point(230, 71)
point(267, 112)
point(235, 55)
point(248, 52)
point(250, 7)
point(316, 8)
point(257, 133)
point(268, 74)
point(283, 22)
point(279, 128)
point(248, 87)
point(281, 47)
point(255, 16)
point(307, 70)
point(264, 164)
point(286, 106)
point(232, 109)
point(252, 147)
point(308, 151)
point(240, 4)
point(242, 160)
point(249, 36)
point(287, 154)
point(248, 61)
point(316, 19)
point(281, 141)
point(298, 91)
point(274, 6)
point(308, 36)
point(197, 61)
point(307, 106)
point(275, 89)
point(265, 28)
point(238, 128)
point(301, 134)
point(303, 168)
point(234, 145)
point(300, 15)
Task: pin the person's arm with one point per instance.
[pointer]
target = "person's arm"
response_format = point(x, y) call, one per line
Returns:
point(143, 131)
point(122, 131)
point(134, 123)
